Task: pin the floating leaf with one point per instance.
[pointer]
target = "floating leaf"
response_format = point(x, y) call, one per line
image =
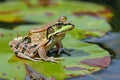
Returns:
point(81, 51)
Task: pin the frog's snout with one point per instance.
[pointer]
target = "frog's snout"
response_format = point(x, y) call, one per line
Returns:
point(71, 26)
point(68, 27)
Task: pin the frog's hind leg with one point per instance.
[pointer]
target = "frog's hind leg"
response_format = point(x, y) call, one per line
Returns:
point(21, 55)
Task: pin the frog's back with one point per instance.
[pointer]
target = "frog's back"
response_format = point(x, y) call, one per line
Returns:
point(38, 37)
point(41, 32)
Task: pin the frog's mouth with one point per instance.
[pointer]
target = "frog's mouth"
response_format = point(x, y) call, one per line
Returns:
point(64, 29)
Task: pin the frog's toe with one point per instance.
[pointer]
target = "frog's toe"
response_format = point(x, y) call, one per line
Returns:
point(63, 50)
point(61, 58)
point(35, 60)
point(51, 59)
point(54, 61)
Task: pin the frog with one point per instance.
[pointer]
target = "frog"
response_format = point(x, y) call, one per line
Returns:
point(38, 41)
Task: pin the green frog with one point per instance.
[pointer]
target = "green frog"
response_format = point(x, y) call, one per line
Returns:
point(35, 45)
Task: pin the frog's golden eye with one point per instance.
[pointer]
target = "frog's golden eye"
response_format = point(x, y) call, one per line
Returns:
point(59, 25)
point(50, 30)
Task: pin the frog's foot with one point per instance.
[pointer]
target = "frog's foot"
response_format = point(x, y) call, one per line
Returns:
point(51, 59)
point(60, 58)
point(60, 50)
point(36, 58)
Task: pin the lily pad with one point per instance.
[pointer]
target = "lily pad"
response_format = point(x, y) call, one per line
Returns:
point(71, 66)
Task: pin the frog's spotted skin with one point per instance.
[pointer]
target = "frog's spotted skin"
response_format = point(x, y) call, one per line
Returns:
point(40, 41)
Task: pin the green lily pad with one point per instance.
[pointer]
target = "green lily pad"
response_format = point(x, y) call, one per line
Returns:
point(72, 65)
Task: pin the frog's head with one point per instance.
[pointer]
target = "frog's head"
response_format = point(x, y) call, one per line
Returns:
point(61, 26)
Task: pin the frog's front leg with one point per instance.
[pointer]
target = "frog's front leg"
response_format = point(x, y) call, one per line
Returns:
point(60, 48)
point(43, 55)
point(42, 52)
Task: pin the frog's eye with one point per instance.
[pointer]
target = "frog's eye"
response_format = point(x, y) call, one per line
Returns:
point(50, 30)
point(59, 25)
